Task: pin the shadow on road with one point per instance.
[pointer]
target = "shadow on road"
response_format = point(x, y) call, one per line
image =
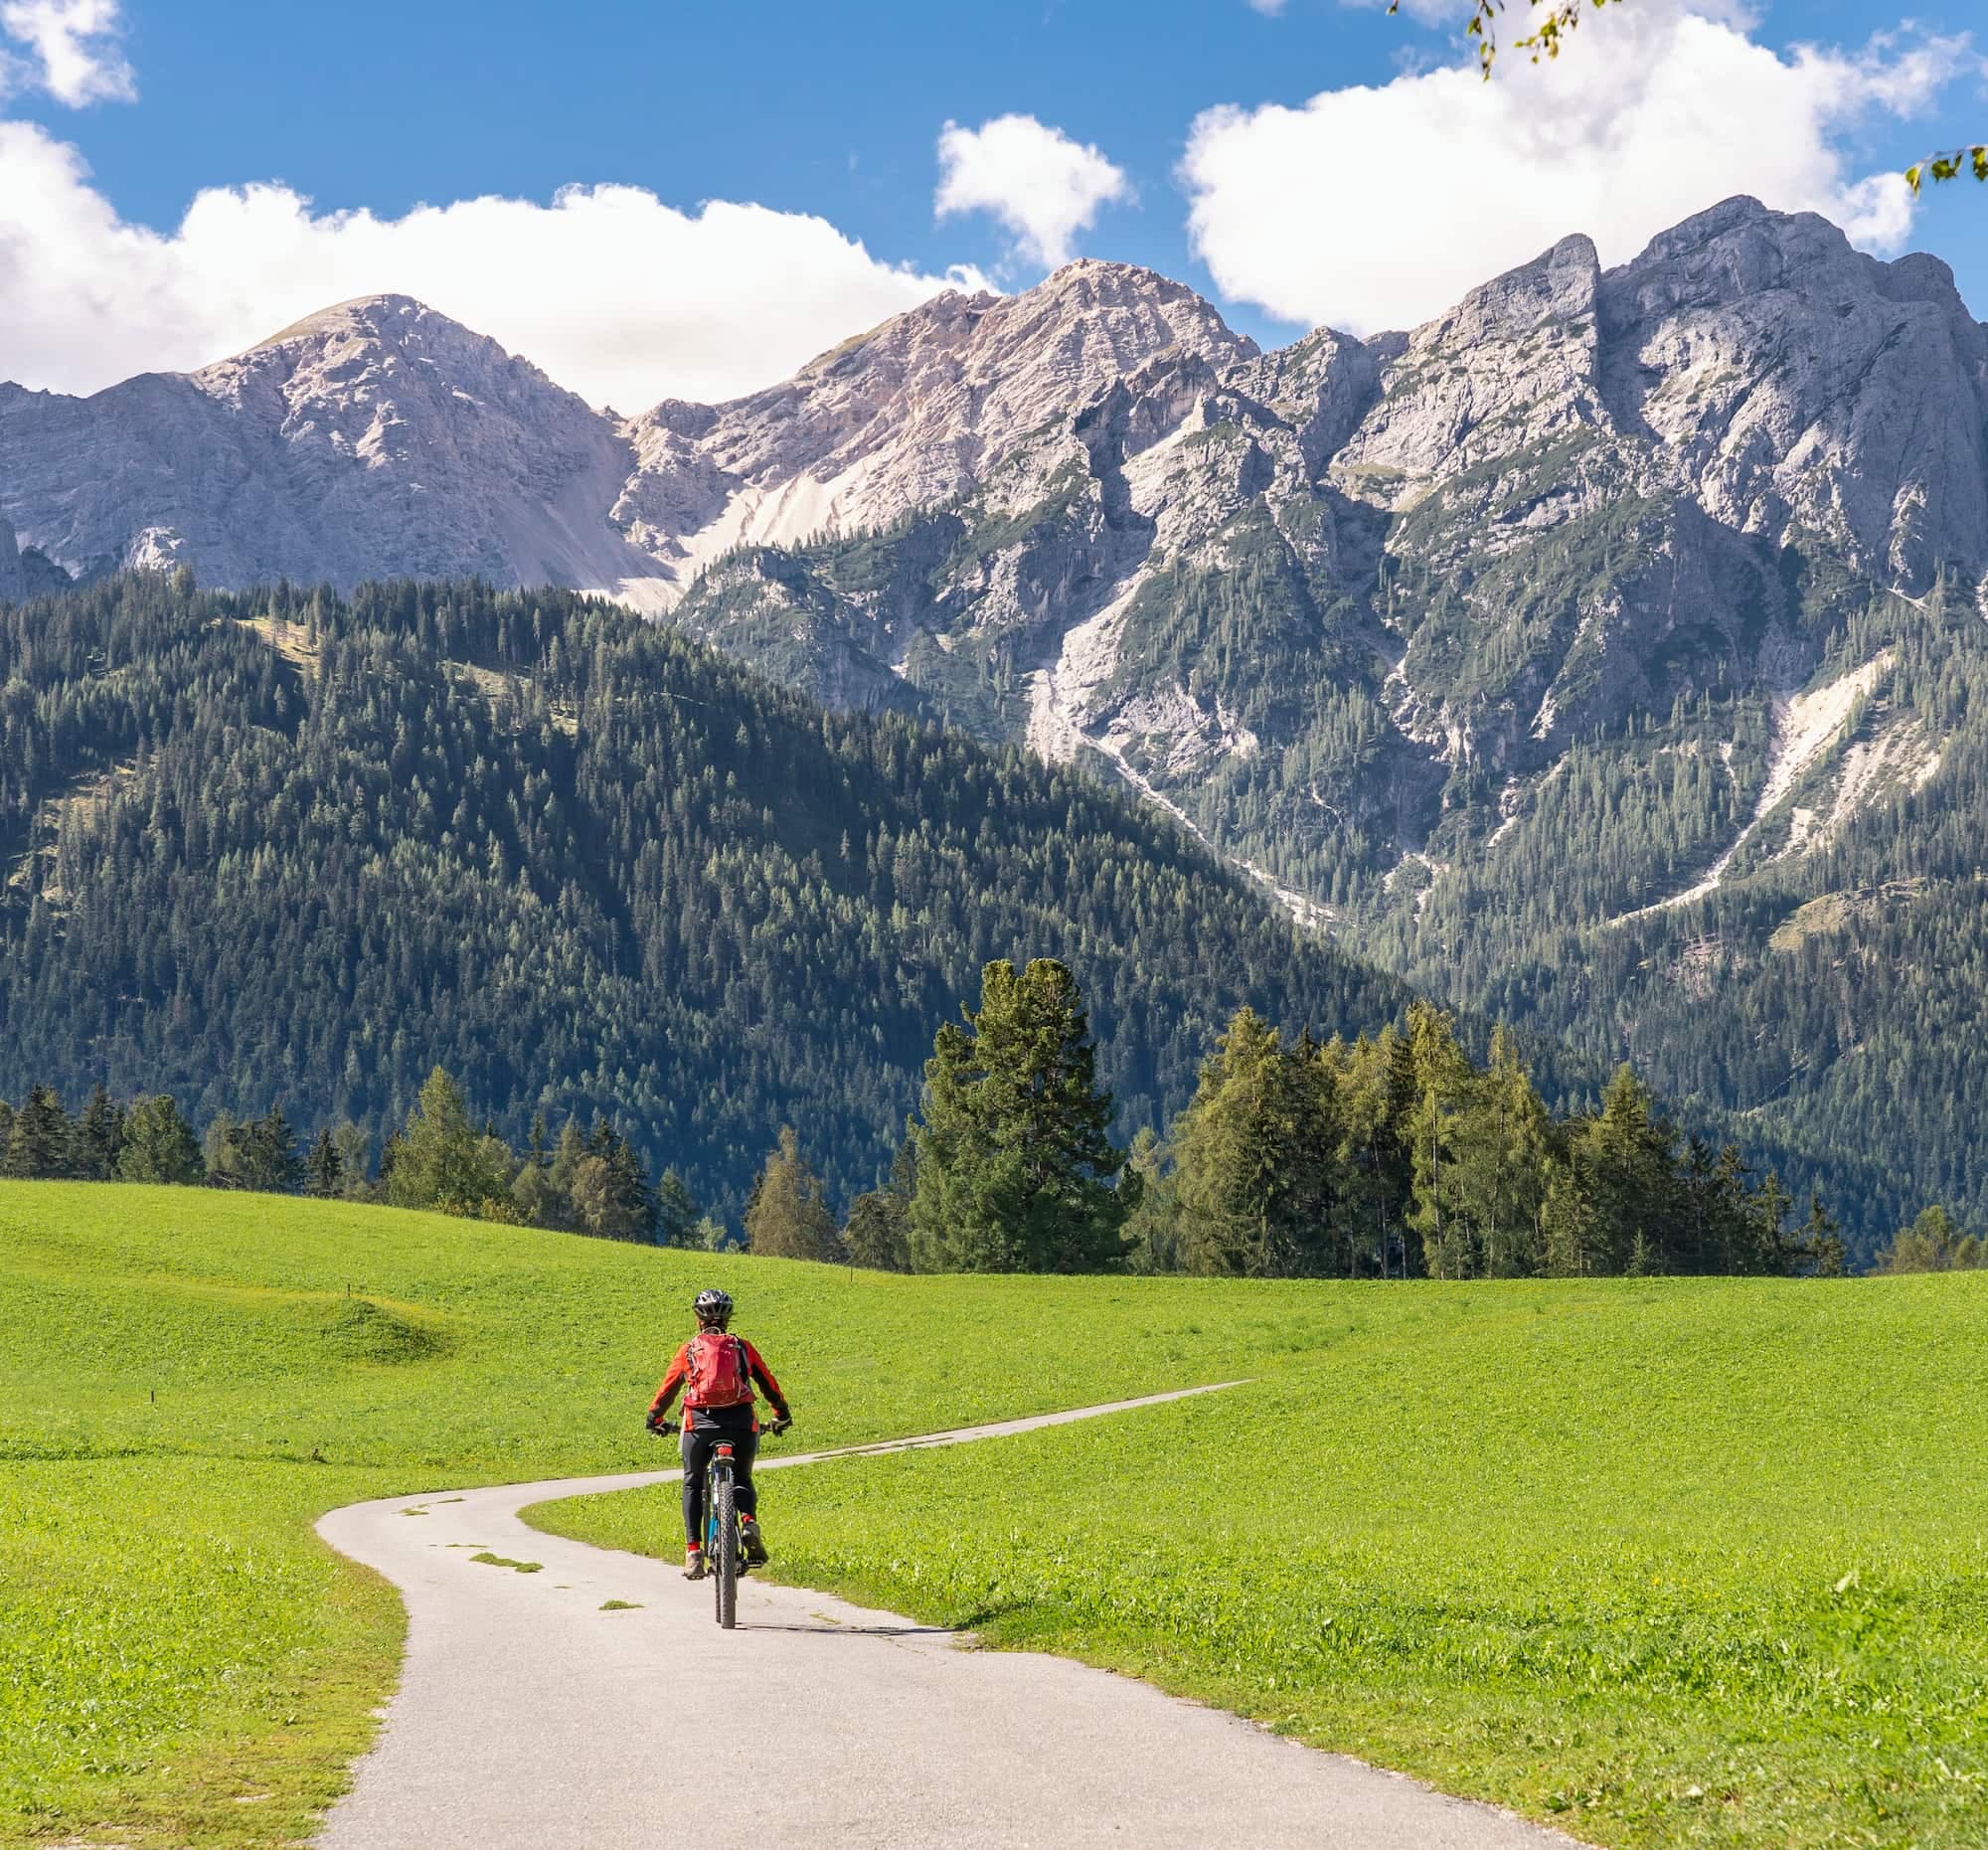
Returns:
point(857, 1631)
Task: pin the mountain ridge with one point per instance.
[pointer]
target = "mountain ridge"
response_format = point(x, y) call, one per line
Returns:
point(1572, 653)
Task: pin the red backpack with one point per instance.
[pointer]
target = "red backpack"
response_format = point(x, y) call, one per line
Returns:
point(718, 1372)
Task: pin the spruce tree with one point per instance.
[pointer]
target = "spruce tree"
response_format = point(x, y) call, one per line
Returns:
point(159, 1144)
point(1627, 1167)
point(1819, 1247)
point(272, 1166)
point(1015, 1166)
point(676, 1211)
point(100, 1136)
point(878, 1234)
point(1257, 1158)
point(39, 1143)
point(324, 1168)
point(788, 1217)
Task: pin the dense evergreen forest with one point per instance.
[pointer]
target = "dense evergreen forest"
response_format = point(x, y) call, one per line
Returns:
point(292, 848)
point(289, 849)
point(1826, 1001)
point(1392, 1156)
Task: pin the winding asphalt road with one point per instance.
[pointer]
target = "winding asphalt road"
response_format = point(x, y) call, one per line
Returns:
point(531, 1718)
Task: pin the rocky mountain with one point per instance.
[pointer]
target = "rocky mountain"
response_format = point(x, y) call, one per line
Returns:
point(1605, 646)
point(377, 438)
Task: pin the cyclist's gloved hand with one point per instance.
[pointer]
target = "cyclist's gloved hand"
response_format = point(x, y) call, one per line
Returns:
point(781, 1422)
point(657, 1423)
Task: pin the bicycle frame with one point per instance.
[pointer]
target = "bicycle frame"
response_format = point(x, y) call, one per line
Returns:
point(722, 1553)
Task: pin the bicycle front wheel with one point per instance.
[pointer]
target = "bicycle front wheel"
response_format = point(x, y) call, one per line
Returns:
point(725, 1512)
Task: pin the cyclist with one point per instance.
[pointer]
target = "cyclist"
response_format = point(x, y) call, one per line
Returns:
point(718, 1371)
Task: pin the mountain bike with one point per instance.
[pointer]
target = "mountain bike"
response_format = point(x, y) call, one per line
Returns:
point(724, 1545)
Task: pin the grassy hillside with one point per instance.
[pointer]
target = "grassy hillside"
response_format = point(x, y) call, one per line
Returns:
point(1575, 1546)
point(1691, 1562)
point(185, 1384)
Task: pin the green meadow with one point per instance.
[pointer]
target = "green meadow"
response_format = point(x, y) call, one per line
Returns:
point(188, 1378)
point(1666, 1561)
point(1686, 1562)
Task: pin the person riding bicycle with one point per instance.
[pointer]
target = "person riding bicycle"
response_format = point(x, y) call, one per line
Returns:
point(718, 1371)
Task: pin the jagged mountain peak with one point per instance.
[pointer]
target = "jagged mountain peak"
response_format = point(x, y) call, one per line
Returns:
point(1090, 317)
point(1740, 249)
point(913, 414)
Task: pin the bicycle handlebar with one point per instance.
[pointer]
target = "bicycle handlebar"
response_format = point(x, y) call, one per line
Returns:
point(666, 1429)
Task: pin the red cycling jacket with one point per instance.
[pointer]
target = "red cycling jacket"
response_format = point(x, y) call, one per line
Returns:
point(755, 1369)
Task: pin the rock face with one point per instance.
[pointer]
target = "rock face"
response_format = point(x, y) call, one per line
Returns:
point(376, 438)
point(25, 573)
point(1338, 606)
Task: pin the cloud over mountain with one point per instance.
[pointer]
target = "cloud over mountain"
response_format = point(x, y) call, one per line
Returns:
point(618, 295)
point(1041, 186)
point(1371, 207)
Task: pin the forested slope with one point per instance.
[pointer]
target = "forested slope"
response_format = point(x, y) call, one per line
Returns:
point(292, 847)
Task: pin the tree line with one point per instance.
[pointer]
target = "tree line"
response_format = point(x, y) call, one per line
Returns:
point(1392, 1155)
point(588, 1181)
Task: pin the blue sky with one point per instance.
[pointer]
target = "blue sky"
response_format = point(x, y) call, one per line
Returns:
point(1359, 210)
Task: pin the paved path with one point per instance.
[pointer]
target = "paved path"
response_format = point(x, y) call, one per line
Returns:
point(529, 1719)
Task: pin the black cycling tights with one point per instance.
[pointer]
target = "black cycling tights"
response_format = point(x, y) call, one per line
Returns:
point(697, 1448)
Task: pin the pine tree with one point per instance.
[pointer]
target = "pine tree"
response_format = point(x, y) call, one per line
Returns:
point(355, 1154)
point(39, 1143)
point(1626, 1165)
point(441, 1161)
point(676, 1211)
point(272, 1166)
point(1015, 1166)
point(1768, 1247)
point(1256, 1157)
point(878, 1234)
point(1446, 1087)
point(224, 1145)
point(1153, 1229)
point(100, 1136)
point(788, 1217)
point(1928, 1244)
point(159, 1144)
point(1571, 1240)
point(1819, 1247)
point(1372, 1084)
point(324, 1168)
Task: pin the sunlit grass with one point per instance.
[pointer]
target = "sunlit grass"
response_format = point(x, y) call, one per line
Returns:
point(188, 1379)
point(1668, 1563)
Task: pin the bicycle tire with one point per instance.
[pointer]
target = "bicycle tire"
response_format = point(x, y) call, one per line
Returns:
point(725, 1516)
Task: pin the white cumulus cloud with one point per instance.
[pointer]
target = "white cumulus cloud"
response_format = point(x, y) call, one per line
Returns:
point(1370, 208)
point(617, 295)
point(72, 49)
point(1041, 186)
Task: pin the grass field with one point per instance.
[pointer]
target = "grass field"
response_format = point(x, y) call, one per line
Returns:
point(1695, 1562)
point(187, 1379)
point(1578, 1547)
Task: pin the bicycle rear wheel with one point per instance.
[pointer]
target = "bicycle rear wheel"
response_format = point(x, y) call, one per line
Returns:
point(724, 1563)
